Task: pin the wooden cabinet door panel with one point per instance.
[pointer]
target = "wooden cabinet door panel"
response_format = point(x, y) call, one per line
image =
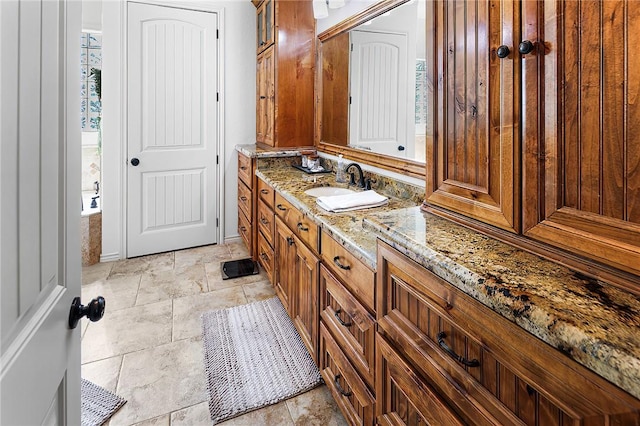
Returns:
point(283, 253)
point(583, 153)
point(266, 256)
point(472, 165)
point(304, 292)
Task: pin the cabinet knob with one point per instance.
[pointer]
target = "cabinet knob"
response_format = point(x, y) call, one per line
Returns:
point(503, 51)
point(525, 47)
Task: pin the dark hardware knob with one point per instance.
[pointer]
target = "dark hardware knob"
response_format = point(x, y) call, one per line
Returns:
point(264, 221)
point(290, 241)
point(340, 265)
point(400, 148)
point(263, 97)
point(473, 363)
point(243, 167)
point(262, 43)
point(243, 198)
point(243, 229)
point(342, 391)
point(337, 315)
point(264, 256)
point(525, 47)
point(264, 191)
point(302, 228)
point(279, 206)
point(94, 203)
point(94, 311)
point(503, 51)
point(135, 162)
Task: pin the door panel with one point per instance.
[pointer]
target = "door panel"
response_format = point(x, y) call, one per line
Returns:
point(172, 129)
point(585, 169)
point(40, 212)
point(473, 167)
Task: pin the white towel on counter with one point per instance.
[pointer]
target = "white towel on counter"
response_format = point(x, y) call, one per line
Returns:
point(347, 202)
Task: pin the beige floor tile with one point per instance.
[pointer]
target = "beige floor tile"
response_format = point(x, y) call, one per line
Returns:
point(238, 250)
point(127, 330)
point(195, 415)
point(187, 310)
point(138, 265)
point(156, 421)
point(104, 372)
point(315, 407)
point(201, 255)
point(271, 415)
point(99, 271)
point(258, 291)
point(119, 293)
point(161, 380)
point(172, 284)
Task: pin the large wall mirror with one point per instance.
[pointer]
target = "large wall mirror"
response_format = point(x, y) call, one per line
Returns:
point(373, 87)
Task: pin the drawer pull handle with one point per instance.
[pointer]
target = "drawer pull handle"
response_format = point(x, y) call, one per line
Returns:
point(264, 221)
point(243, 198)
point(473, 363)
point(264, 191)
point(243, 167)
point(337, 315)
point(243, 229)
point(264, 256)
point(302, 228)
point(279, 206)
point(335, 381)
point(290, 241)
point(340, 265)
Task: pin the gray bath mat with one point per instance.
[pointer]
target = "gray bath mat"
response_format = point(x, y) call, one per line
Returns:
point(98, 404)
point(253, 357)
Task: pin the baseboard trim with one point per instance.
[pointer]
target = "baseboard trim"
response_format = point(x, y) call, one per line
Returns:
point(232, 239)
point(110, 257)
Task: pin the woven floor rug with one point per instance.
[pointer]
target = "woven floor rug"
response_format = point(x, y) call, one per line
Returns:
point(253, 357)
point(98, 404)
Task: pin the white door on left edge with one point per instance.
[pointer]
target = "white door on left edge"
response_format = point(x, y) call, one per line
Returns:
point(172, 129)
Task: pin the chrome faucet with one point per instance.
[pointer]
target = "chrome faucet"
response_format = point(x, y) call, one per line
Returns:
point(353, 175)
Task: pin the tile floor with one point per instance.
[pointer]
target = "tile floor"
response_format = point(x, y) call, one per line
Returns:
point(148, 346)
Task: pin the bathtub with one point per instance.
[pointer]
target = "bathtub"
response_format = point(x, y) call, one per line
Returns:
point(90, 229)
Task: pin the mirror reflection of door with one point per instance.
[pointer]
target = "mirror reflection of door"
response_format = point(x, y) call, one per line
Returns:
point(379, 110)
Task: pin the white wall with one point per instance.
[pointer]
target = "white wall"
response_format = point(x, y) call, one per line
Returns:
point(237, 34)
point(352, 7)
point(92, 15)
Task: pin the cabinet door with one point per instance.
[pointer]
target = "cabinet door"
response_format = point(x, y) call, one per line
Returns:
point(584, 162)
point(261, 99)
point(283, 252)
point(265, 106)
point(264, 25)
point(473, 160)
point(304, 291)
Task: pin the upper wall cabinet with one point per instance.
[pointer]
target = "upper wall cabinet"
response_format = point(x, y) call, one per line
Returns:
point(581, 129)
point(285, 73)
point(472, 164)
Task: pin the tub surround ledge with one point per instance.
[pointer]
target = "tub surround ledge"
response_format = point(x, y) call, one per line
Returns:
point(592, 322)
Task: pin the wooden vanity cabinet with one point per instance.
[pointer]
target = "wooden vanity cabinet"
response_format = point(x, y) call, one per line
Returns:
point(285, 73)
point(297, 269)
point(472, 363)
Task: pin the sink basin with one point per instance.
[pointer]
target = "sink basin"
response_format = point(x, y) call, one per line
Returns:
point(325, 191)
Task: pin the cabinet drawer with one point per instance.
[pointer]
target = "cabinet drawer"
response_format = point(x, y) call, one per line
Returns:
point(508, 376)
point(244, 229)
point(266, 193)
point(266, 222)
point(301, 225)
point(350, 323)
point(357, 277)
point(244, 199)
point(351, 394)
point(403, 396)
point(245, 170)
point(265, 256)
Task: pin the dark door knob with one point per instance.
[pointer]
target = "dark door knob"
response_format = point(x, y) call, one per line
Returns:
point(503, 51)
point(94, 311)
point(135, 162)
point(525, 47)
point(400, 148)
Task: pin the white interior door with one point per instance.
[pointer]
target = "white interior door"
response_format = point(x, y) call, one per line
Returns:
point(172, 129)
point(378, 113)
point(39, 211)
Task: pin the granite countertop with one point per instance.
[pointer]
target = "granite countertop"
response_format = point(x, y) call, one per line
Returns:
point(346, 228)
point(592, 322)
point(253, 151)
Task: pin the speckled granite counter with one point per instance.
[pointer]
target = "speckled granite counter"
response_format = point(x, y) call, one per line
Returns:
point(253, 151)
point(346, 228)
point(593, 323)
